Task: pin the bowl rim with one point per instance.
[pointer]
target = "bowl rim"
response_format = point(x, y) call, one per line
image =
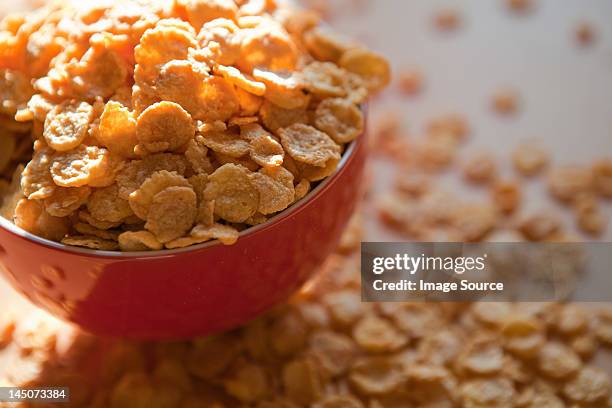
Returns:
point(163, 253)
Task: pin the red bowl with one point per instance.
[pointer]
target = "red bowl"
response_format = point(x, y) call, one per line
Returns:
point(189, 292)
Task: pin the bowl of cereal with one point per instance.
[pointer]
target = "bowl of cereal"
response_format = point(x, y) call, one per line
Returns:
point(175, 172)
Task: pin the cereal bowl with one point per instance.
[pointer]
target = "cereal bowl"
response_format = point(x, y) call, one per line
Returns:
point(188, 292)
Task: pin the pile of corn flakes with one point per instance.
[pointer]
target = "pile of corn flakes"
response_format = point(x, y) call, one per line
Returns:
point(161, 124)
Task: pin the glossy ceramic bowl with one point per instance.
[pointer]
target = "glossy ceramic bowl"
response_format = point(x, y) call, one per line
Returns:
point(193, 291)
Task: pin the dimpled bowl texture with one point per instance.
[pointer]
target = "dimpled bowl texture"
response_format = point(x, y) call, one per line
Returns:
point(193, 291)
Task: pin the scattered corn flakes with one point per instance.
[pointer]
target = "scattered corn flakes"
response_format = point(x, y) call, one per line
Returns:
point(505, 101)
point(539, 226)
point(558, 361)
point(519, 6)
point(585, 34)
point(529, 159)
point(568, 182)
point(410, 82)
point(506, 195)
point(602, 175)
point(480, 168)
point(447, 19)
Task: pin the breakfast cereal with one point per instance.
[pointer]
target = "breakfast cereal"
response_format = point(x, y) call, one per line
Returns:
point(529, 159)
point(505, 101)
point(172, 213)
point(223, 111)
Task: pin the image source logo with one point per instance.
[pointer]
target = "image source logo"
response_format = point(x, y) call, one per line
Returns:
point(519, 271)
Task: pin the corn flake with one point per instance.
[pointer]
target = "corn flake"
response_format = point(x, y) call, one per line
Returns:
point(201, 12)
point(197, 156)
point(275, 187)
point(15, 90)
point(240, 121)
point(302, 382)
point(131, 177)
point(234, 193)
point(67, 124)
point(325, 79)
point(267, 46)
point(378, 335)
point(602, 174)
point(264, 149)
point(589, 386)
point(245, 161)
point(101, 70)
point(207, 98)
point(301, 189)
point(31, 217)
point(139, 241)
point(117, 130)
point(65, 201)
point(141, 199)
point(237, 78)
point(483, 356)
point(376, 376)
point(307, 145)
point(558, 361)
point(373, 68)
point(225, 234)
point(227, 143)
point(335, 352)
point(494, 392)
point(248, 103)
point(220, 40)
point(86, 217)
point(284, 90)
point(314, 173)
point(88, 230)
point(82, 166)
point(340, 119)
point(206, 212)
point(162, 44)
point(91, 242)
point(326, 45)
point(274, 117)
point(106, 205)
point(36, 181)
point(172, 213)
point(165, 126)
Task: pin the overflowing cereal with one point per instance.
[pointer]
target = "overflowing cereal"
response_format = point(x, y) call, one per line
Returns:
point(151, 124)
